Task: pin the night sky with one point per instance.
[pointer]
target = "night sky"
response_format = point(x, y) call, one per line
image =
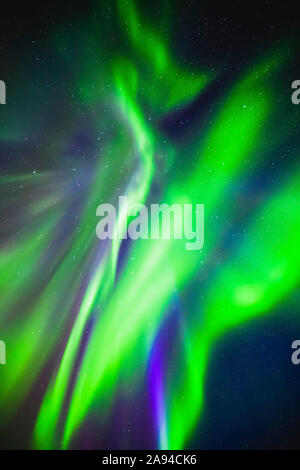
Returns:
point(142, 344)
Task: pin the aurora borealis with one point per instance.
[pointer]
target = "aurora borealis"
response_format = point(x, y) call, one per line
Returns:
point(114, 343)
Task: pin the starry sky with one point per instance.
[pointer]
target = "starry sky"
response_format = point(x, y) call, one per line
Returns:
point(141, 344)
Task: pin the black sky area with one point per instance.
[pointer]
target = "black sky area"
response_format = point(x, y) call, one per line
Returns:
point(224, 29)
